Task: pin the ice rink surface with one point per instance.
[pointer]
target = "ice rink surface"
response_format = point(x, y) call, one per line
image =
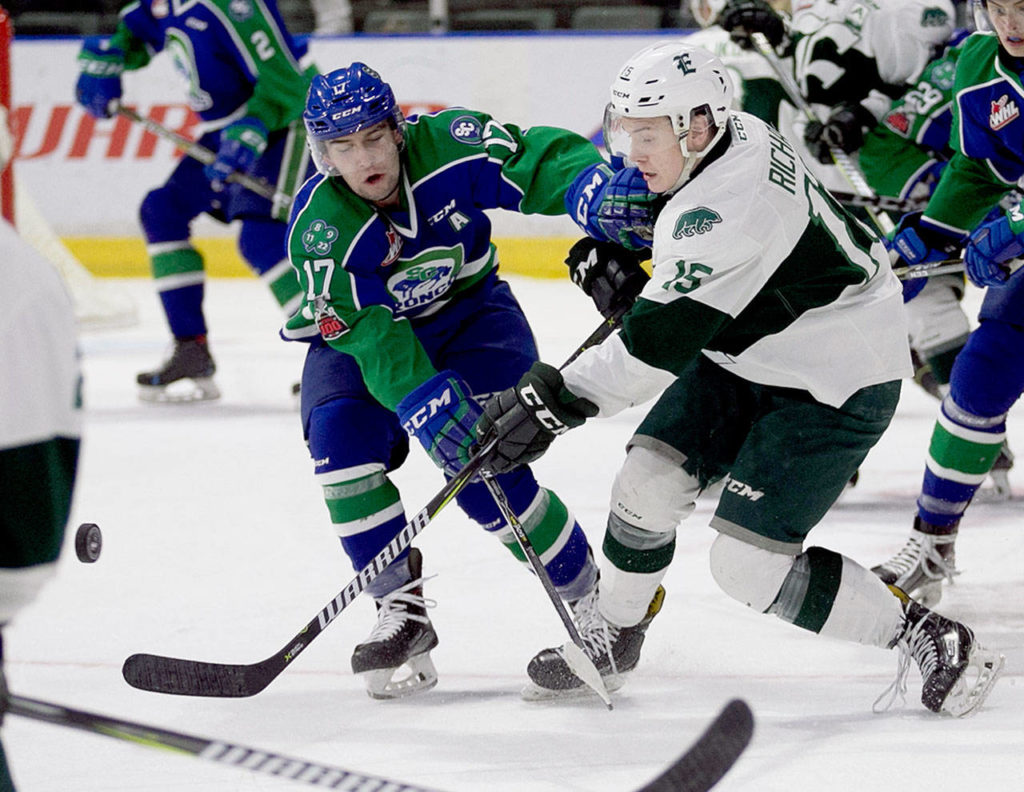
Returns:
point(217, 547)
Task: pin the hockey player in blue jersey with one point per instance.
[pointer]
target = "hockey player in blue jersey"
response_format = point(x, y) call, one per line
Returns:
point(247, 81)
point(988, 376)
point(409, 325)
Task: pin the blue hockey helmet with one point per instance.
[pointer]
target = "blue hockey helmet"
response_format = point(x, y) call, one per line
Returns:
point(345, 101)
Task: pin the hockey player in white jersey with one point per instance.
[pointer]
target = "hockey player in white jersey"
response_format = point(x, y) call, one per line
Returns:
point(774, 330)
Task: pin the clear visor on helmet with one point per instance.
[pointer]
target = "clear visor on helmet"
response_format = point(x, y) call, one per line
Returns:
point(1001, 15)
point(631, 139)
point(318, 147)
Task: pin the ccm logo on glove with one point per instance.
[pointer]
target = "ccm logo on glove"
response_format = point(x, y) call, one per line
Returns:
point(418, 419)
point(543, 416)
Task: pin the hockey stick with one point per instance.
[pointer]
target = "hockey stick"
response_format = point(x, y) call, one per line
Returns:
point(883, 203)
point(204, 155)
point(697, 770)
point(710, 758)
point(183, 677)
point(946, 267)
point(573, 652)
point(846, 166)
point(241, 756)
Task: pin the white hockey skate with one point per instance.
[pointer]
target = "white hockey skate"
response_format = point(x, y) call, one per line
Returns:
point(395, 658)
point(615, 651)
point(957, 674)
point(187, 376)
point(922, 565)
point(998, 491)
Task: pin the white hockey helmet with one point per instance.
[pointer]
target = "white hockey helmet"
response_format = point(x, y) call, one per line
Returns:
point(673, 79)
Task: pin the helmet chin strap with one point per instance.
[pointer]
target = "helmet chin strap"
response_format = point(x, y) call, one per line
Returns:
point(691, 159)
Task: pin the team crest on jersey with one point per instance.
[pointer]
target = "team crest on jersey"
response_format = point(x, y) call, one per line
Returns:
point(328, 322)
point(240, 10)
point(319, 238)
point(899, 121)
point(159, 9)
point(467, 129)
point(425, 281)
point(1004, 110)
point(696, 221)
point(394, 247)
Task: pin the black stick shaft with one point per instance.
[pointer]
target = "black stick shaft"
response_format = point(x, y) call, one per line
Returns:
point(241, 756)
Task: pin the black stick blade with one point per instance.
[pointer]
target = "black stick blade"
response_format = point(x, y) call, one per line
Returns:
point(194, 678)
point(710, 758)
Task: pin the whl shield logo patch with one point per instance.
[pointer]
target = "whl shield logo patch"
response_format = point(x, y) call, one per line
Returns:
point(1004, 110)
point(696, 221)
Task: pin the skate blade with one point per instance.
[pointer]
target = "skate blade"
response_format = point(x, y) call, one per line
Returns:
point(184, 391)
point(534, 692)
point(387, 683)
point(974, 685)
point(998, 492)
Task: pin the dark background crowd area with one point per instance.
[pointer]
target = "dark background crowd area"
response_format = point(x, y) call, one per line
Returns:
point(92, 17)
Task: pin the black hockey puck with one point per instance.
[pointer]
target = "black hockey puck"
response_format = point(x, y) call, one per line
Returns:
point(88, 542)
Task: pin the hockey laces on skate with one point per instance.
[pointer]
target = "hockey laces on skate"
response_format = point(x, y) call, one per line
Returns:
point(597, 634)
point(919, 646)
point(921, 553)
point(393, 610)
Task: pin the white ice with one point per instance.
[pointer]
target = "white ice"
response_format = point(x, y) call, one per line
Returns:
point(217, 546)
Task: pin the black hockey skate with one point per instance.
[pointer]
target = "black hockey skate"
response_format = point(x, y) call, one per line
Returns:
point(615, 651)
point(926, 560)
point(956, 673)
point(187, 376)
point(403, 636)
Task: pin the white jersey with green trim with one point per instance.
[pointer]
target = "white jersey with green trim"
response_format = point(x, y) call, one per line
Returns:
point(759, 269)
point(38, 357)
point(866, 50)
point(40, 416)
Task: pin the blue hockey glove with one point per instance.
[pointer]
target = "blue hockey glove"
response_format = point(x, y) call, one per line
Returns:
point(917, 245)
point(526, 418)
point(614, 206)
point(99, 85)
point(241, 144)
point(441, 413)
point(992, 245)
point(742, 18)
point(609, 274)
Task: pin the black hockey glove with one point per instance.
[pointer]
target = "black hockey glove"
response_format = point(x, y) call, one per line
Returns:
point(844, 130)
point(610, 274)
point(741, 18)
point(526, 418)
